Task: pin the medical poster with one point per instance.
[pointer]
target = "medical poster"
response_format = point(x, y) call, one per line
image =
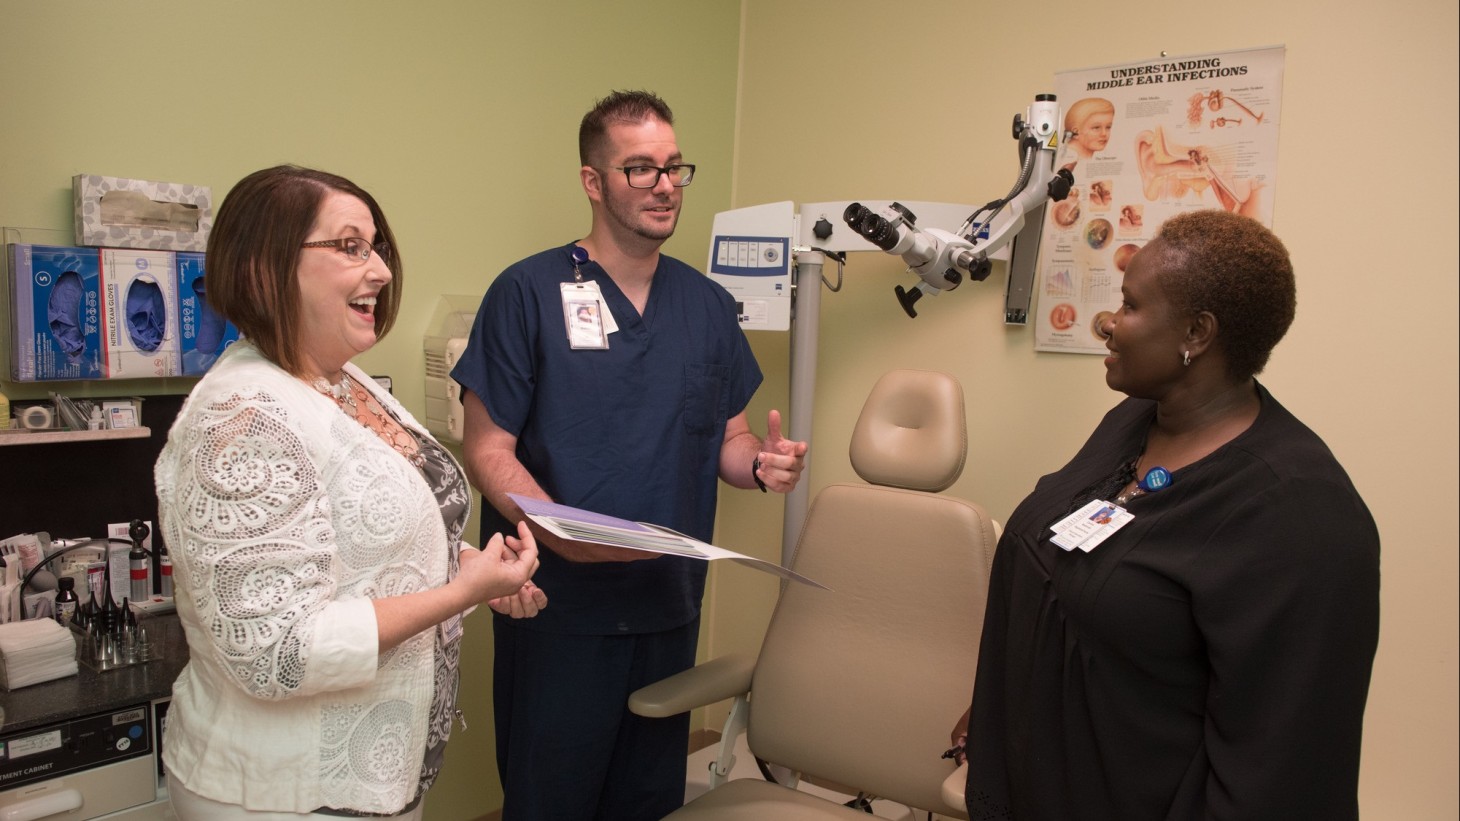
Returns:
point(1149, 140)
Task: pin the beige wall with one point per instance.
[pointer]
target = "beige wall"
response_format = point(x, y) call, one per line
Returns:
point(865, 99)
point(461, 118)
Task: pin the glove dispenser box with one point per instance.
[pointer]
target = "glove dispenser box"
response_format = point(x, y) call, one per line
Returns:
point(109, 313)
point(202, 333)
point(55, 311)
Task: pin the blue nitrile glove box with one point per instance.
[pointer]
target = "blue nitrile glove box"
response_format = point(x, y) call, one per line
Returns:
point(203, 333)
point(109, 313)
point(56, 308)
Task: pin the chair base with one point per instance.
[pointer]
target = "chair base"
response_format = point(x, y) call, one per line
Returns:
point(749, 799)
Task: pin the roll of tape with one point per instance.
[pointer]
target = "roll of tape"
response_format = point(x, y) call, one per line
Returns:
point(36, 417)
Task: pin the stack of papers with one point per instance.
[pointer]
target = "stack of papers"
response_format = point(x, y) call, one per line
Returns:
point(35, 650)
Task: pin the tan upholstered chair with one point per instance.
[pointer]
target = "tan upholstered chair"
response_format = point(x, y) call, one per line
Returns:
point(859, 686)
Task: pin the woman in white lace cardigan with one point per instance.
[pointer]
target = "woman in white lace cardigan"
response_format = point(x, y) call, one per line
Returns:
point(315, 530)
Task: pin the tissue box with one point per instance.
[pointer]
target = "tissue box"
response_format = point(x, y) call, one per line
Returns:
point(139, 314)
point(125, 213)
point(202, 333)
point(55, 307)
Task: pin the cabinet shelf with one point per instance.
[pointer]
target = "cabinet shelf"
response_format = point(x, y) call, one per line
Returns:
point(47, 437)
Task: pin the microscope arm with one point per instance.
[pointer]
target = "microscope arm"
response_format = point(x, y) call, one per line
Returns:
point(942, 259)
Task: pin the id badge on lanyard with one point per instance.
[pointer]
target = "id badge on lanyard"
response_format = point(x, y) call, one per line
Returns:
point(586, 316)
point(585, 313)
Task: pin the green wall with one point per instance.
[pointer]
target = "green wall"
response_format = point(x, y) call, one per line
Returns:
point(460, 117)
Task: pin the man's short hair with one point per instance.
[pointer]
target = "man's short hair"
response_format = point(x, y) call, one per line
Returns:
point(618, 107)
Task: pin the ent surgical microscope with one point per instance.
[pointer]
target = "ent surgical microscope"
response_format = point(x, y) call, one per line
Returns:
point(753, 248)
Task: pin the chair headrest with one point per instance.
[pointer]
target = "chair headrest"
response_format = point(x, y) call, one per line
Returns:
point(912, 432)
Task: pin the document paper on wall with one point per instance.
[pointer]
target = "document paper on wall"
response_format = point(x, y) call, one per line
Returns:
point(586, 526)
point(1153, 139)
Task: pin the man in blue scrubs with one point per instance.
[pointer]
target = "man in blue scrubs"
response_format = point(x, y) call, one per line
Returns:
point(637, 416)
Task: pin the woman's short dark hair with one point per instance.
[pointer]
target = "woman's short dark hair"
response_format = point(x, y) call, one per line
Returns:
point(253, 256)
point(1238, 270)
point(619, 107)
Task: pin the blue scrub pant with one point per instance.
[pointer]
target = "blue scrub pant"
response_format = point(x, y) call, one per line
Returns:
point(567, 745)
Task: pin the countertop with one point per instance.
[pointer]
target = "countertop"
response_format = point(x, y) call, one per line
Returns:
point(91, 691)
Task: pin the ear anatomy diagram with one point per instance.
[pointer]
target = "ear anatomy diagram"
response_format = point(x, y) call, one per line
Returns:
point(1172, 172)
point(1215, 100)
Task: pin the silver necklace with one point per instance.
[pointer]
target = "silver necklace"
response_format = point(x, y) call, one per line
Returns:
point(341, 393)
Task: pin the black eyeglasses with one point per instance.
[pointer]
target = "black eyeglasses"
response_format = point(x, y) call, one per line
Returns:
point(647, 176)
point(356, 248)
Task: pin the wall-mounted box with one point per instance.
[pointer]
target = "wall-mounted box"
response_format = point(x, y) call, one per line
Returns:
point(123, 213)
point(202, 333)
point(56, 313)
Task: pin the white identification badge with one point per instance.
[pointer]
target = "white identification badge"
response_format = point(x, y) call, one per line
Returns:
point(1092, 524)
point(586, 316)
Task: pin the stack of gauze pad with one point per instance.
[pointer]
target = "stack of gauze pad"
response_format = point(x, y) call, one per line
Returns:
point(34, 651)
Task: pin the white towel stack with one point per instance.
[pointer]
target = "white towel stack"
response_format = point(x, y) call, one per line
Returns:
point(35, 650)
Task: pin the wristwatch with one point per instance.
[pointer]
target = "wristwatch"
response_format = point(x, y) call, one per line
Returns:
point(755, 474)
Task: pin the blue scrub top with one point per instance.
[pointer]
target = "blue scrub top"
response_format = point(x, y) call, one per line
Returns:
point(633, 431)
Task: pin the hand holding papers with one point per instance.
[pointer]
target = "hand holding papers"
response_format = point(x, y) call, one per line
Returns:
point(586, 526)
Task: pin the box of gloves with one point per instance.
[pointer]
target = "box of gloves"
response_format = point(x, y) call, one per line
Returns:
point(139, 313)
point(202, 333)
point(55, 312)
point(110, 313)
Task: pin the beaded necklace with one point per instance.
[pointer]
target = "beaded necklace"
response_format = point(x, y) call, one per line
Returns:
point(351, 397)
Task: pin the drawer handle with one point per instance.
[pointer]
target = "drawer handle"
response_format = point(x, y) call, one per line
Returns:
point(42, 806)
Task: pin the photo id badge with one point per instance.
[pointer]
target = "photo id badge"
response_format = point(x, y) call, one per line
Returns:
point(583, 311)
point(1087, 527)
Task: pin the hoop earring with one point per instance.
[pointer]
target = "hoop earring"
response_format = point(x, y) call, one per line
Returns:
point(1186, 358)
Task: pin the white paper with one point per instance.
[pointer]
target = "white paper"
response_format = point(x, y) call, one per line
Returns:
point(587, 526)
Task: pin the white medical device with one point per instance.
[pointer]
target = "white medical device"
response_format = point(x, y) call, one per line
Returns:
point(752, 249)
point(450, 328)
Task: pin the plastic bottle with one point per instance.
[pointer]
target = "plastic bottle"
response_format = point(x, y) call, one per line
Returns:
point(4, 412)
point(141, 572)
point(164, 571)
point(66, 600)
point(95, 422)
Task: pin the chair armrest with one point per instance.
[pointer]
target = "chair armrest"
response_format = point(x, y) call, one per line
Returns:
point(715, 680)
point(954, 786)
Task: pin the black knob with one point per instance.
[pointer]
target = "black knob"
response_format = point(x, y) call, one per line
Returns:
point(907, 299)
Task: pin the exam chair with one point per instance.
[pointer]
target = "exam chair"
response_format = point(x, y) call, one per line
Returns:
point(859, 686)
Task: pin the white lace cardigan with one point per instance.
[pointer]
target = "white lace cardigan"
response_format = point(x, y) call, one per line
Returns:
point(284, 518)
